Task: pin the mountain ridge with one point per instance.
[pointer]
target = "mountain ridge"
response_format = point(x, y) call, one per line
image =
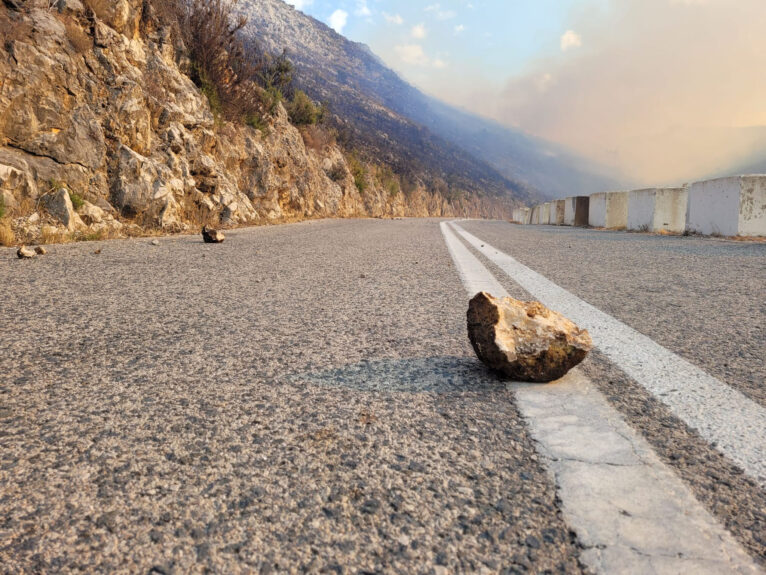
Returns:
point(367, 103)
point(357, 83)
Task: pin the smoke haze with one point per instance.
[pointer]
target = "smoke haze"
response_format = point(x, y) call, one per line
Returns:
point(664, 90)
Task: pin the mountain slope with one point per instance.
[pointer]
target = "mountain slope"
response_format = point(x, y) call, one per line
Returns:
point(371, 105)
point(361, 89)
point(103, 133)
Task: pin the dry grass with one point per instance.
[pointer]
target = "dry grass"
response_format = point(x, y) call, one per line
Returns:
point(756, 239)
point(53, 235)
point(7, 237)
point(317, 138)
point(24, 207)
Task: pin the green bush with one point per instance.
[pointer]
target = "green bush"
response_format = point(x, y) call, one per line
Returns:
point(76, 199)
point(257, 122)
point(389, 181)
point(357, 169)
point(271, 97)
point(303, 111)
point(2, 207)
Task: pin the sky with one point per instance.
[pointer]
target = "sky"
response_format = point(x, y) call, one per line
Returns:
point(662, 91)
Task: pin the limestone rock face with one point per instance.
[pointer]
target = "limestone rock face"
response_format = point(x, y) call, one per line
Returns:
point(94, 98)
point(60, 207)
point(122, 15)
point(524, 340)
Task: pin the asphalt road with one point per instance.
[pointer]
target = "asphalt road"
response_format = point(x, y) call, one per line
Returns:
point(304, 398)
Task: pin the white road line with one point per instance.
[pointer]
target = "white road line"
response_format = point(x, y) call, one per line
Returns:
point(727, 419)
point(631, 513)
point(475, 277)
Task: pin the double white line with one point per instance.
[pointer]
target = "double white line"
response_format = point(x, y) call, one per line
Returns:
point(629, 510)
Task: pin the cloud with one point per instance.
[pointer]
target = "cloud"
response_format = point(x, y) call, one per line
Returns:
point(570, 39)
point(362, 9)
point(414, 55)
point(419, 31)
point(300, 4)
point(666, 92)
point(439, 12)
point(393, 19)
point(459, 28)
point(338, 20)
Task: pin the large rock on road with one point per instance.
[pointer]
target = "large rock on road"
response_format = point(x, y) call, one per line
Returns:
point(524, 340)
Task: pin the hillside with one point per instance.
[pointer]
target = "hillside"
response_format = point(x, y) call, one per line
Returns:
point(372, 107)
point(390, 116)
point(103, 133)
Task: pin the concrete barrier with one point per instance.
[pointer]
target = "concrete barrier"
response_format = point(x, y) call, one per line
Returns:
point(545, 212)
point(557, 213)
point(608, 210)
point(641, 209)
point(597, 210)
point(670, 206)
point(519, 215)
point(734, 206)
point(576, 211)
point(527, 216)
point(534, 215)
point(657, 209)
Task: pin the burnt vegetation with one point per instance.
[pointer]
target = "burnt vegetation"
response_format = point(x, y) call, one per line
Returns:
point(242, 82)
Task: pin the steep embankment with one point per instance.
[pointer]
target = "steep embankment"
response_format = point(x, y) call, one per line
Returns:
point(93, 101)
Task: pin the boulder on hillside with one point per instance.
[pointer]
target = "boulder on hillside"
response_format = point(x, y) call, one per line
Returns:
point(524, 340)
point(90, 213)
point(60, 207)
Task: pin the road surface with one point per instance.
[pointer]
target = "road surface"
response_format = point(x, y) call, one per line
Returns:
point(304, 398)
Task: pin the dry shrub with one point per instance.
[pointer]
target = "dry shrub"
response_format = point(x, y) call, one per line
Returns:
point(222, 67)
point(337, 173)
point(97, 235)
point(25, 206)
point(317, 138)
point(240, 80)
point(7, 237)
point(53, 235)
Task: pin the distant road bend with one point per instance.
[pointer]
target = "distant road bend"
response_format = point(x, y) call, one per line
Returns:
point(305, 398)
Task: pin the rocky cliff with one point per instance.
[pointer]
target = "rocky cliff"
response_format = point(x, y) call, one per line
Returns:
point(102, 134)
